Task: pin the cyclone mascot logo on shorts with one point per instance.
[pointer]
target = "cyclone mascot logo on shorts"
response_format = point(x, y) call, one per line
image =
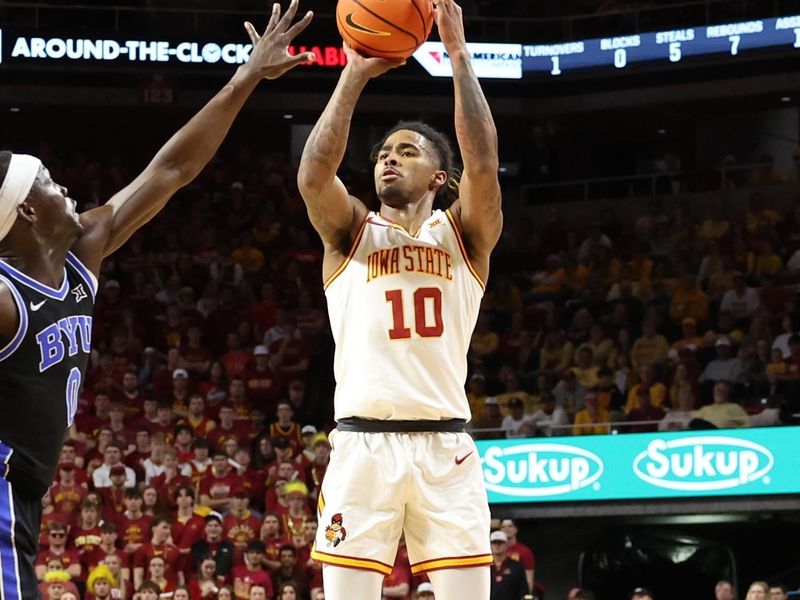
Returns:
point(335, 533)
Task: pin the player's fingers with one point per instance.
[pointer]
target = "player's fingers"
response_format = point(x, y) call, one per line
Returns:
point(295, 29)
point(287, 17)
point(251, 32)
point(273, 18)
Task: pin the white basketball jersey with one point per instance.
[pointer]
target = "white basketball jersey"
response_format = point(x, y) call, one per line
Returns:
point(402, 310)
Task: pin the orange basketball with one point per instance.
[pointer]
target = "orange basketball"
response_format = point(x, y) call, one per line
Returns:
point(385, 28)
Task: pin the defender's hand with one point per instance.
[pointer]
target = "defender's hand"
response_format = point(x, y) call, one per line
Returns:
point(450, 23)
point(368, 67)
point(270, 56)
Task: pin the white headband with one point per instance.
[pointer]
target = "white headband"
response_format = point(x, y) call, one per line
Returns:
point(22, 172)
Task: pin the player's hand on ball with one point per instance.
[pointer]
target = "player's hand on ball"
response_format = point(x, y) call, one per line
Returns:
point(270, 55)
point(450, 23)
point(369, 67)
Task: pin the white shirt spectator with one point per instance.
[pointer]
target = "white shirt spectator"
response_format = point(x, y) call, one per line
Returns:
point(782, 342)
point(101, 477)
point(512, 427)
point(676, 420)
point(740, 307)
point(550, 424)
point(153, 470)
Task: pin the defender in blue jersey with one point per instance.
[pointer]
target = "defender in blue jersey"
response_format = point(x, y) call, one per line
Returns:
point(49, 261)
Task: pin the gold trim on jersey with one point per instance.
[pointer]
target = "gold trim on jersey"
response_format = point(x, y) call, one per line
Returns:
point(346, 261)
point(320, 504)
point(396, 225)
point(463, 248)
point(452, 563)
point(364, 564)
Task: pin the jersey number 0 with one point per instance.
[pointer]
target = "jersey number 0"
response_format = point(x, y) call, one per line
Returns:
point(399, 331)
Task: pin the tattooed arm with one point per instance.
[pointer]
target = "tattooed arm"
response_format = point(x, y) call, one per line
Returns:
point(479, 201)
point(334, 213)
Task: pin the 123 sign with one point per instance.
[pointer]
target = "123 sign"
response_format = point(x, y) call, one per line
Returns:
point(157, 89)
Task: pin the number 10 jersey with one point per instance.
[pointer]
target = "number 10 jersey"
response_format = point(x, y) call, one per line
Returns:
point(402, 309)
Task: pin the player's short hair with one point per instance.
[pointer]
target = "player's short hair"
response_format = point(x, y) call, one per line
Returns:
point(448, 193)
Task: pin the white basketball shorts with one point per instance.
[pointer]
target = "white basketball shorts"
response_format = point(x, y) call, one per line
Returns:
point(426, 485)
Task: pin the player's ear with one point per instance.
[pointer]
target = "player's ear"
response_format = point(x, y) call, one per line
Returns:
point(26, 212)
point(438, 179)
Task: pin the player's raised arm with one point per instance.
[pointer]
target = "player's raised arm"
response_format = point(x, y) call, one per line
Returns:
point(479, 204)
point(181, 159)
point(333, 212)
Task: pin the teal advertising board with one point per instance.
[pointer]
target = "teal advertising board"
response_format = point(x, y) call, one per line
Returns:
point(689, 464)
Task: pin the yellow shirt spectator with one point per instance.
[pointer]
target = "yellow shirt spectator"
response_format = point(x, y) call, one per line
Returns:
point(658, 391)
point(724, 415)
point(586, 425)
point(689, 301)
point(649, 349)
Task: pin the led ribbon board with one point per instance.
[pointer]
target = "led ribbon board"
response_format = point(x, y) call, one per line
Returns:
point(688, 464)
point(513, 61)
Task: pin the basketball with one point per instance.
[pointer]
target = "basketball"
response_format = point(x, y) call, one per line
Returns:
point(385, 28)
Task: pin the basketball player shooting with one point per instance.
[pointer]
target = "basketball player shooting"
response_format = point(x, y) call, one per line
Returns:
point(404, 287)
point(49, 263)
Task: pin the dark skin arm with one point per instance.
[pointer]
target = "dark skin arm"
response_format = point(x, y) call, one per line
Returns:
point(334, 213)
point(182, 158)
point(479, 205)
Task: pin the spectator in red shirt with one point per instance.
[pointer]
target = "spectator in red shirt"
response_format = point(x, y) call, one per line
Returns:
point(149, 417)
point(240, 526)
point(113, 496)
point(273, 539)
point(285, 427)
point(49, 515)
point(116, 420)
point(196, 356)
point(264, 384)
point(188, 526)
point(237, 398)
point(165, 425)
point(227, 428)
point(162, 379)
point(206, 584)
point(173, 478)
point(184, 436)
point(235, 359)
point(298, 515)
point(251, 573)
point(322, 457)
point(67, 495)
point(159, 545)
point(130, 395)
point(70, 559)
point(156, 572)
point(85, 536)
point(289, 354)
point(196, 418)
point(133, 525)
point(215, 388)
point(519, 551)
point(219, 484)
point(107, 546)
point(88, 426)
point(645, 411)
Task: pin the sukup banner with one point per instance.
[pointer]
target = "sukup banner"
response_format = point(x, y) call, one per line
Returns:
point(686, 464)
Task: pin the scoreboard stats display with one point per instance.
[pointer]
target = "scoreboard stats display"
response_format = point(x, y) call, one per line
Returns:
point(514, 61)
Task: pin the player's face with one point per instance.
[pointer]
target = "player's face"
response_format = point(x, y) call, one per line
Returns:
point(406, 169)
point(55, 211)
